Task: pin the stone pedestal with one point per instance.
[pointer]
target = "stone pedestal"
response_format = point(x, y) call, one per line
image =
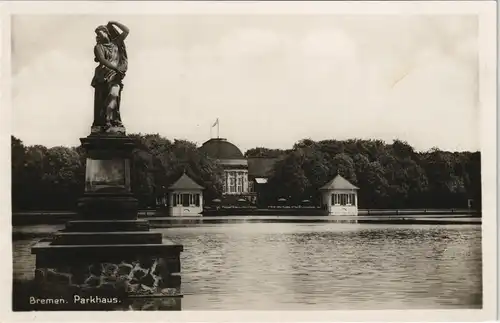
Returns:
point(107, 178)
point(108, 259)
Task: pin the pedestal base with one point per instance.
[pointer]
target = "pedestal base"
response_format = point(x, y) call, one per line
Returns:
point(107, 260)
point(131, 269)
point(108, 276)
point(107, 225)
point(107, 206)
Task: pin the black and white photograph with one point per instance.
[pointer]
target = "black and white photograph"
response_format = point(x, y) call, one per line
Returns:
point(287, 157)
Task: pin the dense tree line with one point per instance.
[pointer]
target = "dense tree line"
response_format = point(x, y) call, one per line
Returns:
point(388, 175)
point(265, 152)
point(159, 162)
point(53, 178)
point(46, 178)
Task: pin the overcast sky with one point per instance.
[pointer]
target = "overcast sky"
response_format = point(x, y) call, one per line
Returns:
point(271, 80)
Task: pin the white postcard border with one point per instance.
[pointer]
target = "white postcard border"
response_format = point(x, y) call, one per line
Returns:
point(487, 32)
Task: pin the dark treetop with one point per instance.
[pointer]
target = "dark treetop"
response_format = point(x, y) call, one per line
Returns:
point(388, 175)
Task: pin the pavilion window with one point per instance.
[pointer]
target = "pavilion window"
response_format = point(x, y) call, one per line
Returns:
point(344, 199)
point(197, 199)
point(185, 199)
point(336, 199)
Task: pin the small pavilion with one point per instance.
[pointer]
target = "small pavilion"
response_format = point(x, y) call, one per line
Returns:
point(185, 197)
point(340, 197)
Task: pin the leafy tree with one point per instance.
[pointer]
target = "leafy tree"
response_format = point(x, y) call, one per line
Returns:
point(18, 160)
point(159, 162)
point(289, 180)
point(388, 175)
point(63, 175)
point(315, 168)
point(264, 152)
point(331, 147)
point(343, 165)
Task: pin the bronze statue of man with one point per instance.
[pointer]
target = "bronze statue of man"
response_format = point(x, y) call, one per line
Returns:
point(111, 54)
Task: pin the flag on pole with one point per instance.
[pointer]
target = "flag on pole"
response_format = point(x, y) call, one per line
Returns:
point(215, 123)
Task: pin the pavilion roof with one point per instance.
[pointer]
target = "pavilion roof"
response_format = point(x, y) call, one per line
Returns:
point(185, 183)
point(339, 183)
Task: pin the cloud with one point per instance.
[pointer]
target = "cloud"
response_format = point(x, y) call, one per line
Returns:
point(333, 44)
point(248, 42)
point(48, 104)
point(270, 80)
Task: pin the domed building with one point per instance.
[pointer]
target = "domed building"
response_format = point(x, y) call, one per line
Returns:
point(234, 164)
point(221, 149)
point(244, 179)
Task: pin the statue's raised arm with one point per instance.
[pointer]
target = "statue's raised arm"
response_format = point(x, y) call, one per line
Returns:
point(111, 54)
point(122, 27)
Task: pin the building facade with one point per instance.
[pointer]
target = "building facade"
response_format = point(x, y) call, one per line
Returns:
point(340, 197)
point(233, 163)
point(185, 197)
point(243, 177)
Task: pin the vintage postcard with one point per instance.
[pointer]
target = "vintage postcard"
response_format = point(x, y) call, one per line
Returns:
point(260, 161)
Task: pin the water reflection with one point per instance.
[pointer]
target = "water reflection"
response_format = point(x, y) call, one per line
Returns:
point(330, 266)
point(322, 266)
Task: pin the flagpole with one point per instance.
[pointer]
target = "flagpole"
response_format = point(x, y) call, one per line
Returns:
point(218, 128)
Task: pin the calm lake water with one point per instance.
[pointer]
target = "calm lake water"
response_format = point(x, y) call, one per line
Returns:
point(323, 266)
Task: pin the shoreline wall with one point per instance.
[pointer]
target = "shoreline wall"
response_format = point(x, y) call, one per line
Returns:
point(60, 217)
